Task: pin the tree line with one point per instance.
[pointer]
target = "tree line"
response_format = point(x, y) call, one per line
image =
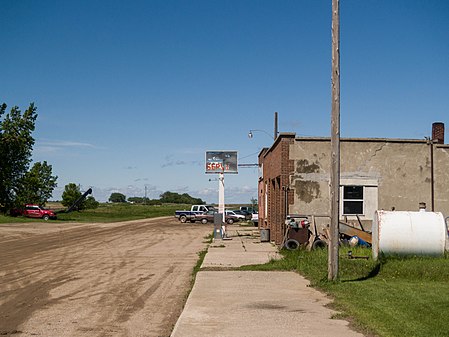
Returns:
point(165, 198)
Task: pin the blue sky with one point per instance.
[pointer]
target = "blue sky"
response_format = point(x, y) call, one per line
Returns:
point(132, 93)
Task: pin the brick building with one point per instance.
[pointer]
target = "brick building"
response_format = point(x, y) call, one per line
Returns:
point(375, 173)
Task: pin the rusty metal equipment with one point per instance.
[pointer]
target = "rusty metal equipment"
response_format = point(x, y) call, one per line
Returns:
point(296, 232)
point(79, 200)
point(352, 231)
point(302, 230)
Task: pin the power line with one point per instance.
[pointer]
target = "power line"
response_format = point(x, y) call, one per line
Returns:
point(248, 165)
point(252, 154)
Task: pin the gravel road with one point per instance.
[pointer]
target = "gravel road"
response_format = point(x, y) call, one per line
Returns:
point(115, 279)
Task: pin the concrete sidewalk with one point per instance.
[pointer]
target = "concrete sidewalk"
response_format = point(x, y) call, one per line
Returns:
point(226, 303)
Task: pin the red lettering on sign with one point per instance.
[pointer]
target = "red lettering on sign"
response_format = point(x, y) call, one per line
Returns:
point(215, 167)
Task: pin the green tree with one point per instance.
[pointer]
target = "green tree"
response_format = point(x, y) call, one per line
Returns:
point(37, 185)
point(254, 203)
point(117, 197)
point(16, 145)
point(153, 202)
point(176, 198)
point(91, 203)
point(71, 194)
point(139, 200)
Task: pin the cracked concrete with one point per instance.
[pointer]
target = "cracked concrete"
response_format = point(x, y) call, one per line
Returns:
point(229, 303)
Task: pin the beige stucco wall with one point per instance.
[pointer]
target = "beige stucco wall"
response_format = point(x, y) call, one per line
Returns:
point(398, 171)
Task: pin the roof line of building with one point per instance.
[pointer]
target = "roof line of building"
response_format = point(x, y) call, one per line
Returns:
point(265, 150)
point(356, 139)
point(359, 139)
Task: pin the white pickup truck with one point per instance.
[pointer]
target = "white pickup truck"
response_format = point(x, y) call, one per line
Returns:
point(186, 215)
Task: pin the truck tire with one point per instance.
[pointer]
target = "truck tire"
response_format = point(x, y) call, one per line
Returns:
point(204, 221)
point(230, 221)
point(319, 244)
point(183, 218)
point(45, 217)
point(291, 244)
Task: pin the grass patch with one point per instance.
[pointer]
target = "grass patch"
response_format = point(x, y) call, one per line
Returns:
point(201, 255)
point(395, 296)
point(108, 213)
point(16, 219)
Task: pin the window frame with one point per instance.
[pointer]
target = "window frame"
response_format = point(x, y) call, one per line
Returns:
point(344, 200)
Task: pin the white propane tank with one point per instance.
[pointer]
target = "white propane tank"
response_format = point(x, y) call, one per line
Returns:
point(408, 233)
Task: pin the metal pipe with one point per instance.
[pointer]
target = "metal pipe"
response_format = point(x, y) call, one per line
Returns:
point(286, 189)
point(430, 142)
point(275, 125)
point(432, 181)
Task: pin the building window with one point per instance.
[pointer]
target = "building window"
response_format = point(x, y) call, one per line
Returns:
point(352, 200)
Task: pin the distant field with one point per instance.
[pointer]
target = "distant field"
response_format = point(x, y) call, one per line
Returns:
point(109, 212)
point(54, 205)
point(105, 213)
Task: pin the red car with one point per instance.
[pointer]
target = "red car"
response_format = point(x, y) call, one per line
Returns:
point(35, 211)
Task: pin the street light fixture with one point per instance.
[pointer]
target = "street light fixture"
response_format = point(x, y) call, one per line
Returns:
point(251, 135)
point(276, 132)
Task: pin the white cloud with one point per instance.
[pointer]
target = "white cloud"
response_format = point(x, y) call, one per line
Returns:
point(181, 189)
point(169, 161)
point(54, 146)
point(64, 143)
point(140, 179)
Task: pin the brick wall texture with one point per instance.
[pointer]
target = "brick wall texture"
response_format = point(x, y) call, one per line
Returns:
point(274, 191)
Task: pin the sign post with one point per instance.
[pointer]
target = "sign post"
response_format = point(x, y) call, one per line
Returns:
point(221, 162)
point(221, 202)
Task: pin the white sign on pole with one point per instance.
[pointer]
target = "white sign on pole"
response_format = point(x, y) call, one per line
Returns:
point(221, 162)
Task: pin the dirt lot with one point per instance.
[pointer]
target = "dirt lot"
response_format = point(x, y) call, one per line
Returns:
point(118, 279)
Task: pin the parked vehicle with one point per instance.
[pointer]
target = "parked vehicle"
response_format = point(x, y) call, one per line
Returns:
point(205, 217)
point(186, 215)
point(248, 209)
point(255, 218)
point(233, 217)
point(209, 217)
point(246, 214)
point(36, 211)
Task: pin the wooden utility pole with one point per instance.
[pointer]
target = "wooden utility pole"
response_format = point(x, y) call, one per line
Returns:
point(332, 273)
